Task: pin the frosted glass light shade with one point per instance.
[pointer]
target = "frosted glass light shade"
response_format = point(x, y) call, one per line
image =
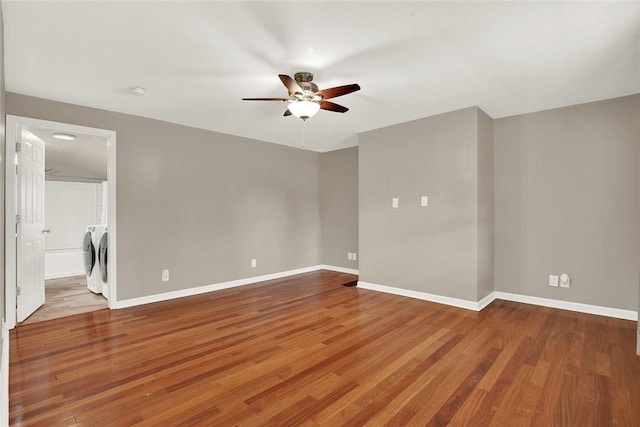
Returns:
point(64, 136)
point(304, 109)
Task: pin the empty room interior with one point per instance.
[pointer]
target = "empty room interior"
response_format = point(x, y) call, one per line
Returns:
point(227, 213)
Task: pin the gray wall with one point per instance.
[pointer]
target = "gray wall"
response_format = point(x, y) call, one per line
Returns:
point(339, 206)
point(485, 205)
point(566, 200)
point(432, 249)
point(199, 203)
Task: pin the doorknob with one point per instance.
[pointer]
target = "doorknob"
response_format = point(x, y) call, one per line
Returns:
point(46, 231)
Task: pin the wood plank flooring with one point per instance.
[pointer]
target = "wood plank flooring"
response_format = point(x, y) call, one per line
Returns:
point(66, 296)
point(307, 351)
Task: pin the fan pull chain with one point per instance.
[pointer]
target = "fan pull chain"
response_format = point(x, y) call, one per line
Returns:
point(304, 127)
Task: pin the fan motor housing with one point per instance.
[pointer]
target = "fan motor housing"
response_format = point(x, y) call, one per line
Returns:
point(303, 76)
point(304, 79)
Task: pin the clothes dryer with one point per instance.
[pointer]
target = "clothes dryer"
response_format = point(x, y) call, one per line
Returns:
point(103, 262)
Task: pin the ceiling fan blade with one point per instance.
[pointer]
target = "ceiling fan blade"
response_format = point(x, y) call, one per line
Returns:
point(291, 85)
point(330, 106)
point(334, 92)
point(287, 113)
point(265, 99)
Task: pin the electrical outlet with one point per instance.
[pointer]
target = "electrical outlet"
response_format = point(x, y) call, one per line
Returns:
point(349, 256)
point(424, 201)
point(355, 256)
point(254, 263)
point(553, 280)
point(565, 280)
point(395, 202)
point(165, 275)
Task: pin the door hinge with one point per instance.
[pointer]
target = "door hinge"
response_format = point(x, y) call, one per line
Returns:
point(17, 218)
point(18, 147)
point(19, 291)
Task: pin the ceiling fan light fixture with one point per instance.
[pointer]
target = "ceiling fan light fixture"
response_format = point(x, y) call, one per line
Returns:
point(138, 90)
point(305, 99)
point(64, 136)
point(304, 109)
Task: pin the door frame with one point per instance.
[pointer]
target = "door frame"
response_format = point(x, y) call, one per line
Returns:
point(13, 128)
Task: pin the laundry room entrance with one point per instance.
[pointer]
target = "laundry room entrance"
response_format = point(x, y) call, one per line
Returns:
point(61, 203)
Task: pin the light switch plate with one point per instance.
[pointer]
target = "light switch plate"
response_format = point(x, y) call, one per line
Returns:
point(424, 201)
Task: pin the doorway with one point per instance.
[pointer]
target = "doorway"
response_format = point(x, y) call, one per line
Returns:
point(75, 176)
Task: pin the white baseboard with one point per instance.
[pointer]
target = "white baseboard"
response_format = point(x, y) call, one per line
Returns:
point(567, 305)
point(4, 375)
point(486, 301)
point(224, 285)
point(66, 274)
point(455, 302)
point(63, 263)
point(340, 269)
point(479, 305)
point(440, 299)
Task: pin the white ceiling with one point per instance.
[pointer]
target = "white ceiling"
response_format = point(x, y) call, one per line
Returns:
point(412, 59)
point(83, 159)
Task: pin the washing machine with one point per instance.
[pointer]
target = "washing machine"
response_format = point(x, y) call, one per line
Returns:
point(91, 245)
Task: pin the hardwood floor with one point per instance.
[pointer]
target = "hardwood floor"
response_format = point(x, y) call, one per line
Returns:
point(307, 351)
point(66, 296)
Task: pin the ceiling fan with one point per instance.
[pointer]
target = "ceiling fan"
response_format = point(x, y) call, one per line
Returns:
point(305, 99)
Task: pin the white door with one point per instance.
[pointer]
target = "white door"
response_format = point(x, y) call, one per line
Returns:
point(30, 229)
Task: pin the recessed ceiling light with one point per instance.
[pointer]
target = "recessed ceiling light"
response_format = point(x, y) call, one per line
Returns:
point(137, 90)
point(64, 136)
